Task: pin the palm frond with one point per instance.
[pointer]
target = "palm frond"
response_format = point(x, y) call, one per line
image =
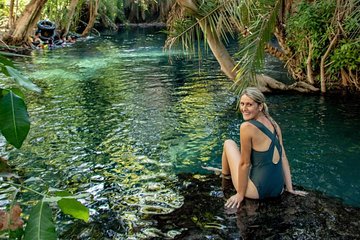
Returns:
point(353, 19)
point(253, 19)
point(252, 55)
point(222, 16)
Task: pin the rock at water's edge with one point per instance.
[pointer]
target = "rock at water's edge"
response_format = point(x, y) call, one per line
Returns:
point(203, 215)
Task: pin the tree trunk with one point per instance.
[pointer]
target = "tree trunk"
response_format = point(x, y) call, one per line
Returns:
point(227, 64)
point(93, 12)
point(164, 9)
point(322, 62)
point(220, 52)
point(69, 17)
point(11, 15)
point(310, 73)
point(25, 24)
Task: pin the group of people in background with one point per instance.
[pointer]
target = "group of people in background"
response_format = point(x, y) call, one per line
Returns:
point(38, 42)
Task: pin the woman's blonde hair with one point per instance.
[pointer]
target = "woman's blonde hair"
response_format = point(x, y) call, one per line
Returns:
point(256, 95)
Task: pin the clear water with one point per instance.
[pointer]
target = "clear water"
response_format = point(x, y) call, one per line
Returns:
point(118, 120)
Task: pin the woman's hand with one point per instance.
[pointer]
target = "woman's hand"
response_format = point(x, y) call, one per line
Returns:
point(234, 201)
point(298, 192)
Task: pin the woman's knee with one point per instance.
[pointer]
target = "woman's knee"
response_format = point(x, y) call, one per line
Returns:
point(230, 143)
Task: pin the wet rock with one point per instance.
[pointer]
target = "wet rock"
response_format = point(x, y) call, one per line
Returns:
point(203, 215)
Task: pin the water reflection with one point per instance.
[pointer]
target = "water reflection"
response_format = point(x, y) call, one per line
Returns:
point(118, 121)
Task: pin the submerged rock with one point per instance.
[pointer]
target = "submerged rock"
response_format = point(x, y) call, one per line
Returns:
point(203, 215)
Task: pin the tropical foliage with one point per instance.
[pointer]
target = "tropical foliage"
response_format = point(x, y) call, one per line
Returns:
point(14, 126)
point(14, 118)
point(77, 16)
point(310, 37)
point(325, 36)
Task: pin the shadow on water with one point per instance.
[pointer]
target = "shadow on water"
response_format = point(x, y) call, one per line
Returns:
point(119, 122)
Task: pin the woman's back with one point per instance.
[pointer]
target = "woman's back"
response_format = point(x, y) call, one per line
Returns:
point(266, 169)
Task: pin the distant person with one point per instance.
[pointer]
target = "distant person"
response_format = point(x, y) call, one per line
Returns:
point(71, 39)
point(260, 168)
point(37, 42)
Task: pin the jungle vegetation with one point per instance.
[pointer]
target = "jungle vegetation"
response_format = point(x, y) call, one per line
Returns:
point(317, 40)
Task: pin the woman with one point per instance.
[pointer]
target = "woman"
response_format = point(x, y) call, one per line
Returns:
point(260, 169)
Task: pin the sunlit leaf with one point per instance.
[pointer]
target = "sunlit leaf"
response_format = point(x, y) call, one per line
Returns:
point(14, 119)
point(61, 193)
point(16, 91)
point(66, 194)
point(74, 208)
point(58, 198)
point(22, 80)
point(40, 225)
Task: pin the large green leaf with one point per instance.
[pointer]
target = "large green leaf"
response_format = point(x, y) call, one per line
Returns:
point(5, 62)
point(74, 208)
point(40, 225)
point(16, 91)
point(21, 79)
point(14, 119)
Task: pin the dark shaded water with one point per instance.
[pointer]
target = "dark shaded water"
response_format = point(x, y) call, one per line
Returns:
point(118, 121)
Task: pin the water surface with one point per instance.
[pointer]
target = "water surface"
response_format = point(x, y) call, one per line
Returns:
point(119, 121)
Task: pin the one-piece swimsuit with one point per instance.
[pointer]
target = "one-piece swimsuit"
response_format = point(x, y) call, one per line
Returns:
point(264, 173)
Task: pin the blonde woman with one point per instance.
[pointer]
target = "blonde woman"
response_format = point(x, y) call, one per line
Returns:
point(260, 169)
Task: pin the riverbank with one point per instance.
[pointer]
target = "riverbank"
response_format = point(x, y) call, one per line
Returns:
point(203, 216)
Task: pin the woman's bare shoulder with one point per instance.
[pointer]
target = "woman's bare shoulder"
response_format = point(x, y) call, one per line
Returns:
point(247, 126)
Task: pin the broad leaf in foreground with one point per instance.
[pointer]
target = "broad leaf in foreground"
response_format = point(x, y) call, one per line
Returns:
point(40, 225)
point(14, 119)
point(74, 208)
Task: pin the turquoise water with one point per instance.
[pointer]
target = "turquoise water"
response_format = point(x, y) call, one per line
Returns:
point(119, 121)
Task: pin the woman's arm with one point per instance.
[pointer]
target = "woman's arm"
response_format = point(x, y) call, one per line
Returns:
point(286, 169)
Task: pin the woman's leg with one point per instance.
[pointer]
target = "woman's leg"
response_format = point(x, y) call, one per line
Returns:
point(230, 160)
point(230, 165)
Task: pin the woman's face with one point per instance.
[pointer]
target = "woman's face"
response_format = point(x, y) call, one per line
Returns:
point(249, 108)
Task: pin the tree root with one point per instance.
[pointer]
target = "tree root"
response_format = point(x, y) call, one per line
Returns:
point(268, 84)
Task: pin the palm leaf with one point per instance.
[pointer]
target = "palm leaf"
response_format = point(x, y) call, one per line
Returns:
point(40, 225)
point(222, 17)
point(253, 55)
point(255, 19)
point(353, 17)
point(14, 119)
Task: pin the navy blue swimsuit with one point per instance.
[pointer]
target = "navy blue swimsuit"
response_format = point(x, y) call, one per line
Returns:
point(267, 176)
